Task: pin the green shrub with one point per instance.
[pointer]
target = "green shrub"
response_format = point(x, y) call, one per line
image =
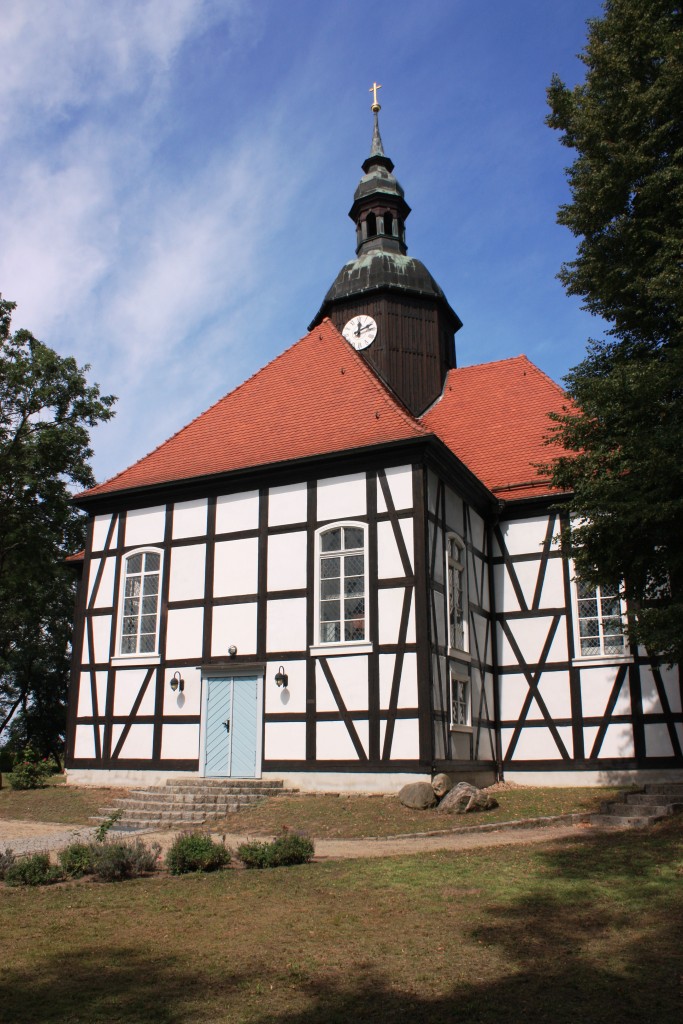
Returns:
point(77, 859)
point(34, 869)
point(31, 771)
point(196, 851)
point(287, 849)
point(7, 859)
point(114, 862)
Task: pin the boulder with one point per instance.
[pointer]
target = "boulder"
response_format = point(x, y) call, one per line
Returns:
point(464, 798)
point(441, 784)
point(418, 795)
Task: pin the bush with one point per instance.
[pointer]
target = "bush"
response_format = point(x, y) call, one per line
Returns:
point(31, 771)
point(33, 870)
point(196, 851)
point(114, 862)
point(287, 849)
point(77, 859)
point(7, 859)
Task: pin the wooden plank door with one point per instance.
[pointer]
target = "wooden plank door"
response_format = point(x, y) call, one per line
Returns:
point(231, 727)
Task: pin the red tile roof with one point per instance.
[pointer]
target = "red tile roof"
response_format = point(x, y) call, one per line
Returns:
point(494, 417)
point(318, 397)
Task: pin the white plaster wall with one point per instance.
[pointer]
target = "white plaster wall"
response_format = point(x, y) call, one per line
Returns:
point(407, 694)
point(525, 536)
point(477, 531)
point(390, 606)
point(101, 628)
point(405, 742)
point(440, 556)
point(343, 782)
point(145, 526)
point(287, 504)
point(285, 741)
point(617, 742)
point(531, 636)
point(651, 701)
point(190, 518)
point(554, 690)
point(286, 625)
point(506, 599)
point(596, 687)
point(351, 677)
point(189, 702)
point(99, 534)
point(85, 741)
point(537, 744)
point(342, 497)
point(432, 484)
point(235, 512)
point(657, 740)
point(513, 693)
point(127, 687)
point(290, 699)
point(138, 742)
point(105, 593)
point(184, 633)
point(187, 569)
point(236, 567)
point(287, 561)
point(234, 624)
point(388, 558)
point(180, 741)
point(85, 708)
point(333, 742)
point(400, 481)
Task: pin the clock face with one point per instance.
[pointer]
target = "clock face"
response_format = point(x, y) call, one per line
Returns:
point(360, 331)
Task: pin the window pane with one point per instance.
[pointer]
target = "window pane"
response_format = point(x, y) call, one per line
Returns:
point(149, 605)
point(590, 647)
point(588, 607)
point(610, 606)
point(353, 537)
point(331, 540)
point(128, 645)
point(147, 643)
point(330, 567)
point(354, 630)
point(130, 626)
point(151, 561)
point(354, 608)
point(329, 588)
point(589, 627)
point(329, 610)
point(354, 565)
point(151, 585)
point(148, 624)
point(329, 632)
point(131, 606)
point(134, 563)
point(584, 589)
point(354, 585)
point(132, 586)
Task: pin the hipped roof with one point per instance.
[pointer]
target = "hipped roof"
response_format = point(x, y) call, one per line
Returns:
point(320, 398)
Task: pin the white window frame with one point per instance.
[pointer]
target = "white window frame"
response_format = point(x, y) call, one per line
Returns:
point(140, 657)
point(602, 657)
point(459, 697)
point(460, 567)
point(340, 646)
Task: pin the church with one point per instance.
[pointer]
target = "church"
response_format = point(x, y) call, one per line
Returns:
point(345, 574)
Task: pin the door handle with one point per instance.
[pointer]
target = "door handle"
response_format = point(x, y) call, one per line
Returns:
point(227, 725)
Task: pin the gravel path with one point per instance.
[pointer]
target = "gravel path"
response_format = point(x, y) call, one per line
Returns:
point(30, 836)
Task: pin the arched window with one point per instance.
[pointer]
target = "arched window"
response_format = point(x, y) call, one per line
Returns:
point(455, 576)
point(341, 584)
point(371, 222)
point(140, 602)
point(388, 224)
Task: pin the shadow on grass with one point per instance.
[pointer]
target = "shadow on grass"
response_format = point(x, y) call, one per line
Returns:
point(599, 944)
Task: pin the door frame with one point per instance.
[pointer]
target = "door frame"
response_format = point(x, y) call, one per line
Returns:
point(235, 673)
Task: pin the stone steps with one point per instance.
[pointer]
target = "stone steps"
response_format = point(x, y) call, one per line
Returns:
point(638, 810)
point(187, 803)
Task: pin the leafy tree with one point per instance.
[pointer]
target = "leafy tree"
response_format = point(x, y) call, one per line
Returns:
point(46, 410)
point(625, 432)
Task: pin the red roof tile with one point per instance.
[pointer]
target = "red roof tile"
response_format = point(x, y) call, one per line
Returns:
point(494, 417)
point(318, 397)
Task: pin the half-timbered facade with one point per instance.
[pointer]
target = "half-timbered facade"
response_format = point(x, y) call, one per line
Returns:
point(364, 587)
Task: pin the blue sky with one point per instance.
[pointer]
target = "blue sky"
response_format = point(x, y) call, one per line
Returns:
point(176, 176)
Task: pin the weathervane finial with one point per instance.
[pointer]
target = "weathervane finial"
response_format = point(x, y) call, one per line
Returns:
point(375, 107)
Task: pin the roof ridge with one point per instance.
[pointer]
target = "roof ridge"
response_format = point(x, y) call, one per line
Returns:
point(186, 426)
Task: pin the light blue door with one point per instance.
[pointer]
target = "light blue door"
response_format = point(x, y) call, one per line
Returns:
point(231, 727)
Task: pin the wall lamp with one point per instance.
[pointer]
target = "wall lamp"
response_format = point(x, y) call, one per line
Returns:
point(232, 650)
point(177, 682)
point(281, 677)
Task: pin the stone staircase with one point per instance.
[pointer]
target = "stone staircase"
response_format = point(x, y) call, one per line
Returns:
point(636, 810)
point(187, 802)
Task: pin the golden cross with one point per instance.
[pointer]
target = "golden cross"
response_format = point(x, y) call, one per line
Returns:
point(373, 89)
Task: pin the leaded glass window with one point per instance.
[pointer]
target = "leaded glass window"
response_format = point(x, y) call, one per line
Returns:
point(140, 610)
point(601, 629)
point(342, 584)
point(455, 570)
point(460, 701)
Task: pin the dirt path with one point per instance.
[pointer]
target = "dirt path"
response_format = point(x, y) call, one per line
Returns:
point(29, 836)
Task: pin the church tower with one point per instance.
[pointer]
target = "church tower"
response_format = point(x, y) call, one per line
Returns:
point(386, 303)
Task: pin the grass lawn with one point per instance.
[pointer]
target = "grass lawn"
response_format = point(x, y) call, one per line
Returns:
point(56, 802)
point(587, 930)
point(333, 817)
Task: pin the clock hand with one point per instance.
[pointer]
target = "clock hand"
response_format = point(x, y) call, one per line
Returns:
point(358, 328)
